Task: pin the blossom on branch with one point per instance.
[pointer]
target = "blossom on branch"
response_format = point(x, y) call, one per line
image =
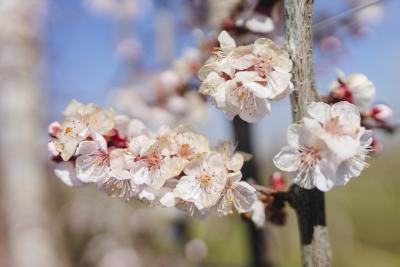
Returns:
point(356, 89)
point(327, 148)
point(243, 80)
point(171, 167)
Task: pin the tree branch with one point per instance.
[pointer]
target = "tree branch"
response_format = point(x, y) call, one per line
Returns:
point(308, 204)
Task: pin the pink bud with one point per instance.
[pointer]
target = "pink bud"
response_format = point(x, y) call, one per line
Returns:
point(278, 181)
point(54, 128)
point(381, 112)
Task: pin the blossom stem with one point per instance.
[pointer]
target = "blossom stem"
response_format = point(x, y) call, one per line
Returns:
point(308, 204)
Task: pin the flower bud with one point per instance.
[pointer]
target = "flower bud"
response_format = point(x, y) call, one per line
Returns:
point(54, 128)
point(381, 112)
point(277, 181)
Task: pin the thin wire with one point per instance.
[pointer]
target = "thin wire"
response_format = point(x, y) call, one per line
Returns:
point(325, 23)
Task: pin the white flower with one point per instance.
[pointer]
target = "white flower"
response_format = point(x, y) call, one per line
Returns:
point(233, 161)
point(307, 159)
point(246, 96)
point(118, 183)
point(242, 80)
point(187, 144)
point(203, 182)
point(327, 149)
point(93, 162)
point(82, 121)
point(273, 64)
point(150, 163)
point(237, 195)
point(356, 89)
point(338, 126)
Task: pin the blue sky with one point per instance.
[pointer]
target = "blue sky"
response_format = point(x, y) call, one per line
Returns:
point(80, 62)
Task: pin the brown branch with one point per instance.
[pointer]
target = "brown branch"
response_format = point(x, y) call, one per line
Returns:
point(308, 204)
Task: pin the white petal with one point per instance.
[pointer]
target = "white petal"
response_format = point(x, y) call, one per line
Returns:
point(226, 42)
point(236, 162)
point(101, 141)
point(87, 147)
point(348, 114)
point(288, 159)
point(258, 90)
point(168, 200)
point(65, 171)
point(245, 196)
point(278, 83)
point(255, 113)
point(319, 111)
point(292, 135)
point(89, 170)
point(147, 195)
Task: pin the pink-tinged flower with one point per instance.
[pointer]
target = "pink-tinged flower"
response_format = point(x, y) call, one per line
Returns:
point(93, 161)
point(307, 159)
point(119, 183)
point(204, 181)
point(274, 65)
point(82, 121)
point(338, 126)
point(356, 89)
point(381, 112)
point(150, 163)
point(247, 97)
point(327, 149)
point(237, 196)
point(242, 80)
point(184, 143)
point(233, 160)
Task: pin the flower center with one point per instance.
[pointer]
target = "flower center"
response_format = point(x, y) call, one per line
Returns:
point(263, 66)
point(309, 157)
point(333, 126)
point(205, 180)
point(153, 160)
point(185, 151)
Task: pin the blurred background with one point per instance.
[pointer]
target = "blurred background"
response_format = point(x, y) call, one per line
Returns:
point(141, 57)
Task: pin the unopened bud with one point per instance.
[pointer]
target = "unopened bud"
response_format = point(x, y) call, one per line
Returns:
point(381, 112)
point(54, 128)
point(278, 181)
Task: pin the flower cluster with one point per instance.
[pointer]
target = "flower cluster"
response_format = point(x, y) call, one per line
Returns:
point(170, 167)
point(327, 148)
point(243, 80)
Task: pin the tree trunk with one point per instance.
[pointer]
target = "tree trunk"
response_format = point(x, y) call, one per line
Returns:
point(23, 176)
point(257, 238)
point(308, 204)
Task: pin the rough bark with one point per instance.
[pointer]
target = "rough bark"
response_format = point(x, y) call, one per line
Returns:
point(23, 182)
point(308, 204)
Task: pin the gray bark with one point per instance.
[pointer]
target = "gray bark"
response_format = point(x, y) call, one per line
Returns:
point(308, 204)
point(23, 176)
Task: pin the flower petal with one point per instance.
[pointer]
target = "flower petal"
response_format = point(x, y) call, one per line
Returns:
point(288, 159)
